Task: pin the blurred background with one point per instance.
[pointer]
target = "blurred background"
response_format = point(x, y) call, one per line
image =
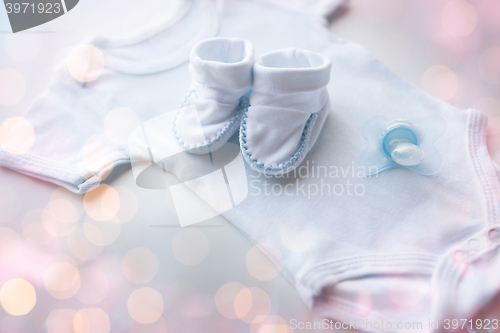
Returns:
point(449, 48)
point(94, 264)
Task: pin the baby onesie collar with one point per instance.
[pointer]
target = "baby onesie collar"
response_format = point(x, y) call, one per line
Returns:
point(209, 28)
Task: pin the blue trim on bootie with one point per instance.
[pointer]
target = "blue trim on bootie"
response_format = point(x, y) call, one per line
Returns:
point(217, 137)
point(304, 142)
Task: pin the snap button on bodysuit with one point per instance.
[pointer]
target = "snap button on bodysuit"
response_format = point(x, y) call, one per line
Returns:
point(494, 235)
point(474, 244)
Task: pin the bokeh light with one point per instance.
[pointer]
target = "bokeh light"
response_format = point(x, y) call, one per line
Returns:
point(33, 229)
point(243, 303)
point(159, 326)
point(459, 18)
point(102, 202)
point(80, 247)
point(17, 135)
point(85, 63)
point(10, 203)
point(60, 217)
point(440, 81)
point(17, 297)
point(12, 86)
point(140, 265)
point(92, 320)
point(61, 321)
point(93, 286)
point(489, 11)
point(128, 204)
point(145, 305)
point(259, 265)
point(73, 198)
point(225, 300)
point(193, 305)
point(110, 265)
point(190, 246)
point(8, 237)
point(489, 65)
point(271, 324)
point(101, 233)
point(62, 280)
point(454, 37)
point(252, 305)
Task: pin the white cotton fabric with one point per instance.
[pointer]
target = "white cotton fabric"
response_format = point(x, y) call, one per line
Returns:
point(76, 124)
point(397, 246)
point(222, 78)
point(318, 8)
point(289, 105)
point(289, 71)
point(148, 74)
point(223, 63)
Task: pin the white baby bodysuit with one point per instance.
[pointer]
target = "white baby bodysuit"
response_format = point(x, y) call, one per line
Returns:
point(76, 141)
point(379, 251)
point(397, 247)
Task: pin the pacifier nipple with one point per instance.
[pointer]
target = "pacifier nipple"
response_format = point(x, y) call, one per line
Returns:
point(406, 153)
point(401, 143)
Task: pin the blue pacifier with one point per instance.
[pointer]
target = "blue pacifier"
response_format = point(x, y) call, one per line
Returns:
point(401, 143)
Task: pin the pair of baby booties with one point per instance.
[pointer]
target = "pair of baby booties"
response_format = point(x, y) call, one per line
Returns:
point(278, 102)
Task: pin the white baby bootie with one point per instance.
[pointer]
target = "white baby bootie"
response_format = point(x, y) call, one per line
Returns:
point(222, 78)
point(289, 105)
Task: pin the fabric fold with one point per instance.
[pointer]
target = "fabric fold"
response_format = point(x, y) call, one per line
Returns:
point(223, 63)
